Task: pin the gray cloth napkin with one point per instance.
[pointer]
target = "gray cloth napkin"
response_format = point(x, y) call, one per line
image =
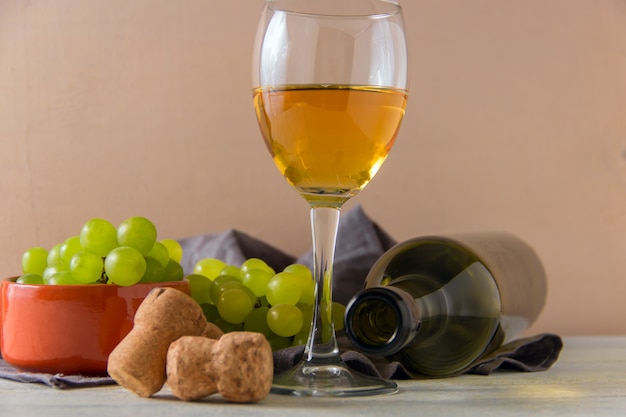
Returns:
point(529, 354)
point(360, 242)
point(57, 381)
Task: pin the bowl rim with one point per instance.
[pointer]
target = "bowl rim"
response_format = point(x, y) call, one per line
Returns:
point(12, 280)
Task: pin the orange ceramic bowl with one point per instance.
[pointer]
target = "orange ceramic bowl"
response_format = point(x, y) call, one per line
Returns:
point(68, 329)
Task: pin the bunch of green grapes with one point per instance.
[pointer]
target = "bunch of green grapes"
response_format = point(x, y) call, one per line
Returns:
point(256, 298)
point(102, 253)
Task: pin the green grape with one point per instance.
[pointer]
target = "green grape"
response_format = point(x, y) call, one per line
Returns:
point(86, 267)
point(228, 327)
point(155, 272)
point(285, 319)
point(70, 247)
point(302, 271)
point(210, 312)
point(253, 298)
point(174, 271)
point(30, 278)
point(54, 256)
point(99, 236)
point(63, 278)
point(284, 288)
point(256, 263)
point(34, 261)
point(338, 312)
point(160, 253)
point(137, 232)
point(209, 267)
point(307, 297)
point(301, 338)
point(256, 279)
point(277, 342)
point(217, 282)
point(231, 285)
point(307, 318)
point(231, 270)
point(53, 269)
point(199, 288)
point(256, 321)
point(234, 305)
point(125, 265)
point(174, 249)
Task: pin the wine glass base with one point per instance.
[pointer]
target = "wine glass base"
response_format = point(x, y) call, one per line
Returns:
point(334, 379)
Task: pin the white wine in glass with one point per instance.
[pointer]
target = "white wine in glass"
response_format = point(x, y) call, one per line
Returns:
point(330, 91)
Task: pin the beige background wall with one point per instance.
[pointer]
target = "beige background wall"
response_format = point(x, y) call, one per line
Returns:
point(516, 121)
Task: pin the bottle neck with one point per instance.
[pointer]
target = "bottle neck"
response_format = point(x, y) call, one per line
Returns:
point(382, 320)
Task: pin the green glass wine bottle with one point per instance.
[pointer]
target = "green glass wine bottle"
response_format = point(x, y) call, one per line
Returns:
point(436, 304)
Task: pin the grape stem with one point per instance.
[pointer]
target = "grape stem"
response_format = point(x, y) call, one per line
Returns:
point(321, 347)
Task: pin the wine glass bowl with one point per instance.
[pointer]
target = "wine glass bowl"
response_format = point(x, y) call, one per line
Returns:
point(330, 90)
point(329, 141)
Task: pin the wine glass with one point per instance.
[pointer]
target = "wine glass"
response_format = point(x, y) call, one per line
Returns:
point(330, 89)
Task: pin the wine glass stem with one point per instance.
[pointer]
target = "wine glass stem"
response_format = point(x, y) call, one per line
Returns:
point(322, 344)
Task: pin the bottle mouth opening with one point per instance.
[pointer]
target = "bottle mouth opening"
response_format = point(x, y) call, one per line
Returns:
point(374, 322)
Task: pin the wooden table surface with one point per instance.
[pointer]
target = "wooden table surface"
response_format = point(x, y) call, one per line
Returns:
point(589, 379)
